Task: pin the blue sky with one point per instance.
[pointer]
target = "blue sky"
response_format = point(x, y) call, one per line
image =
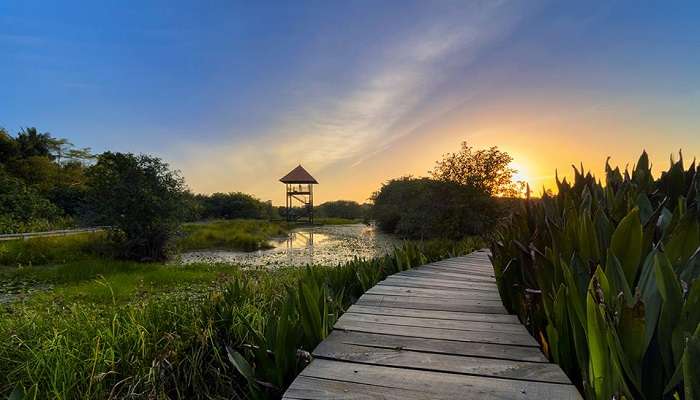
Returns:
point(235, 94)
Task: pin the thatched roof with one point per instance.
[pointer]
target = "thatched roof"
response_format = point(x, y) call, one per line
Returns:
point(298, 175)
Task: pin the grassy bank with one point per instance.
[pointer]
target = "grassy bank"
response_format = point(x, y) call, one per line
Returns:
point(244, 235)
point(242, 338)
point(54, 250)
point(239, 234)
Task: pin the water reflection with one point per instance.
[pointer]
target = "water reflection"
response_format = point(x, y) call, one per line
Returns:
point(324, 245)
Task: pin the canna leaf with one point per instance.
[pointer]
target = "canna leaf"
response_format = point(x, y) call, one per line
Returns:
point(684, 240)
point(672, 295)
point(599, 356)
point(626, 244)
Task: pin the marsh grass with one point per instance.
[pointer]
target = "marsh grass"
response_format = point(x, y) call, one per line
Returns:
point(54, 249)
point(239, 234)
point(246, 336)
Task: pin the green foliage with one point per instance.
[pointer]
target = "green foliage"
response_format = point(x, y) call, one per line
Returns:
point(246, 235)
point(53, 249)
point(248, 338)
point(141, 198)
point(232, 206)
point(607, 277)
point(343, 209)
point(23, 209)
point(421, 208)
point(485, 170)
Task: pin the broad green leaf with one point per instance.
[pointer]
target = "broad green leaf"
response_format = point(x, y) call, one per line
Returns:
point(691, 368)
point(599, 355)
point(683, 241)
point(631, 330)
point(672, 295)
point(626, 244)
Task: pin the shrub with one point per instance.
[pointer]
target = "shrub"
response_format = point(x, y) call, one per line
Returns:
point(233, 206)
point(342, 209)
point(425, 208)
point(22, 209)
point(141, 198)
point(606, 278)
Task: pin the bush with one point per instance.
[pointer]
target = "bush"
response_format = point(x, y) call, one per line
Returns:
point(607, 278)
point(233, 206)
point(22, 209)
point(420, 208)
point(141, 198)
point(342, 209)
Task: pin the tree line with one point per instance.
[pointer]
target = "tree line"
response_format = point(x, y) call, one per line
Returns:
point(48, 183)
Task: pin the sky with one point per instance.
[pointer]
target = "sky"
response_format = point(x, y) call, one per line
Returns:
point(236, 94)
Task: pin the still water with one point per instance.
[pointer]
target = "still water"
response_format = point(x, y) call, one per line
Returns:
point(321, 245)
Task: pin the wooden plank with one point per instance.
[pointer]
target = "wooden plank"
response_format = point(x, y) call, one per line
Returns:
point(447, 270)
point(433, 314)
point(433, 333)
point(310, 388)
point(436, 323)
point(424, 303)
point(332, 348)
point(438, 384)
point(442, 346)
point(433, 293)
point(462, 265)
point(448, 277)
point(408, 280)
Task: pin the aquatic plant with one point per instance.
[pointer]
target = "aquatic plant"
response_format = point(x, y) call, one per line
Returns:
point(247, 338)
point(605, 276)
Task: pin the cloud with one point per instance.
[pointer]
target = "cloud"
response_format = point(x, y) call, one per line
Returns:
point(347, 123)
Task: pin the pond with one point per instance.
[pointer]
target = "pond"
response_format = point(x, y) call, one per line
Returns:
point(319, 245)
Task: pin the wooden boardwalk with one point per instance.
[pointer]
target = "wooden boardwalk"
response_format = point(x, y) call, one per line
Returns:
point(438, 331)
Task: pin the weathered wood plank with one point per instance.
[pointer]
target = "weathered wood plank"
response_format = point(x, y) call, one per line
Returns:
point(448, 277)
point(454, 270)
point(435, 314)
point(442, 346)
point(333, 348)
point(310, 388)
point(387, 289)
point(424, 303)
point(433, 333)
point(438, 384)
point(408, 280)
point(436, 323)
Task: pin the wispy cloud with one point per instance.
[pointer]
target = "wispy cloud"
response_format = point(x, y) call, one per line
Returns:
point(365, 116)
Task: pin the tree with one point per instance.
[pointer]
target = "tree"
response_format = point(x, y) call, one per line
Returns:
point(8, 147)
point(22, 209)
point(423, 208)
point(486, 170)
point(141, 198)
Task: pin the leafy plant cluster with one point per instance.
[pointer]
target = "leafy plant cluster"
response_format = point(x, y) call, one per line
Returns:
point(248, 339)
point(606, 276)
point(345, 209)
point(41, 181)
point(467, 194)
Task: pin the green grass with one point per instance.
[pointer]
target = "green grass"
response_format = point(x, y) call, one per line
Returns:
point(53, 250)
point(245, 235)
point(120, 330)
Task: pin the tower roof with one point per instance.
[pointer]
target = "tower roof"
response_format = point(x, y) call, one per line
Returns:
point(298, 175)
